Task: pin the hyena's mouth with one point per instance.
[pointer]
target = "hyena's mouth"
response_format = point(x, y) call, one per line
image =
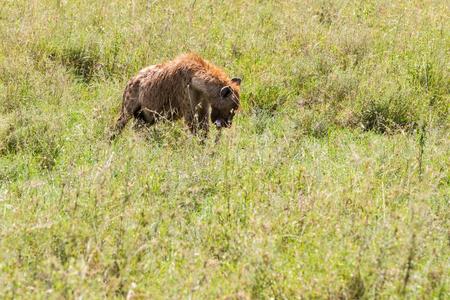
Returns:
point(220, 123)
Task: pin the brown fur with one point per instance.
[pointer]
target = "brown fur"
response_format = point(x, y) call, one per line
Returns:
point(187, 87)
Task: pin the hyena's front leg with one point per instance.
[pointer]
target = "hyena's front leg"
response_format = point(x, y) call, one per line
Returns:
point(204, 126)
point(198, 122)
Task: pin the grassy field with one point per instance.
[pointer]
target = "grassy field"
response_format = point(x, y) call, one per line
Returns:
point(334, 182)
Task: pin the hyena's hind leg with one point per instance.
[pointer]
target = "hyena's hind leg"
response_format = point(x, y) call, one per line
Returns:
point(145, 118)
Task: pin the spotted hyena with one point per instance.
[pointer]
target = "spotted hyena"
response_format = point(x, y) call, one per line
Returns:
point(187, 87)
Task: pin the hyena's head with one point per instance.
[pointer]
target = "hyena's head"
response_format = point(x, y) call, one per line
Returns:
point(223, 110)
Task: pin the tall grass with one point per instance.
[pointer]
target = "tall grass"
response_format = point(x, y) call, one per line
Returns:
point(333, 183)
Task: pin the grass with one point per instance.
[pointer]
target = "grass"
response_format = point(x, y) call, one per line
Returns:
point(333, 182)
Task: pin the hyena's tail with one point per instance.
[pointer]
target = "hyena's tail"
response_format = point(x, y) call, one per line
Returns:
point(130, 106)
point(120, 124)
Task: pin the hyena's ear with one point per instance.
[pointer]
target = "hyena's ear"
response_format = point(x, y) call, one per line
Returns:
point(225, 91)
point(236, 80)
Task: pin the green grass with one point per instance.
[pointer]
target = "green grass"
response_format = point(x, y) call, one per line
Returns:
point(334, 181)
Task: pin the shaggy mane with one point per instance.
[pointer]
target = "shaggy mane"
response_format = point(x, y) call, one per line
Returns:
point(195, 63)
